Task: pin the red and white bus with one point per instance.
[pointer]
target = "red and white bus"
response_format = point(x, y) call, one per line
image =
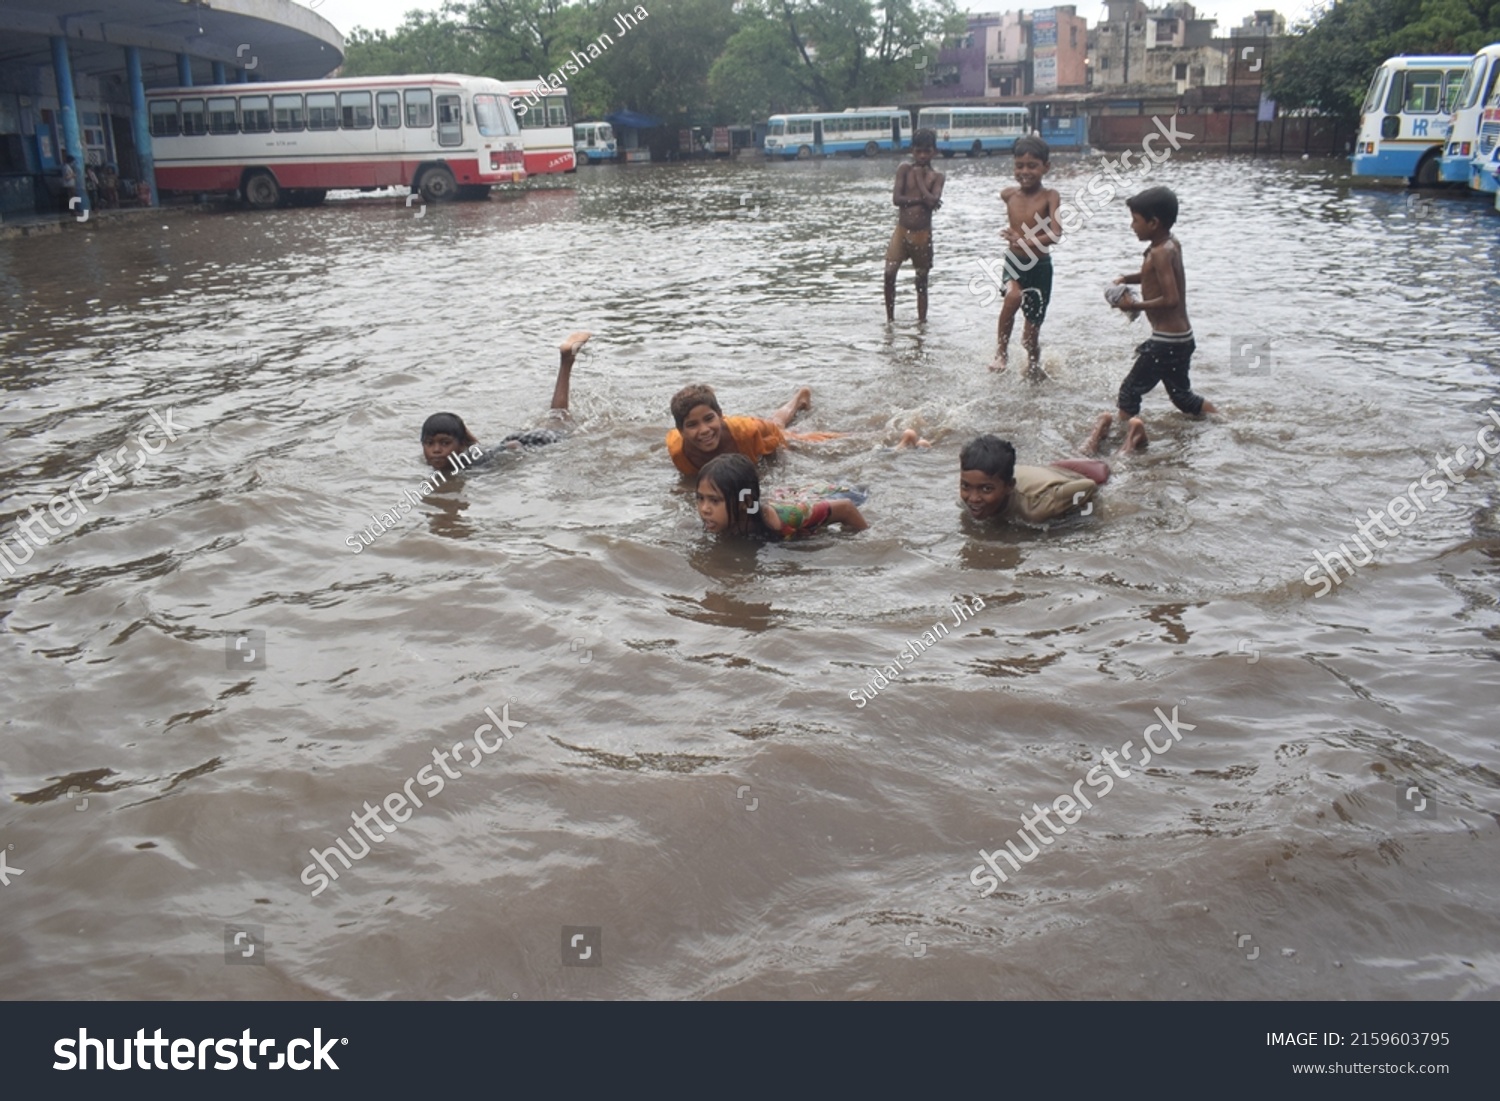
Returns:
point(546, 117)
point(446, 136)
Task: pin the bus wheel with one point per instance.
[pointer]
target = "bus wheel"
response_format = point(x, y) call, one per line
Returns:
point(476, 194)
point(437, 185)
point(804, 153)
point(871, 148)
point(1427, 173)
point(977, 148)
point(261, 190)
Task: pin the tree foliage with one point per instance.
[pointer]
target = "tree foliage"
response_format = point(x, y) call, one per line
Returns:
point(1330, 60)
point(732, 58)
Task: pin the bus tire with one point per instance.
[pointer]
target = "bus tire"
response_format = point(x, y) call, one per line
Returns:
point(1427, 174)
point(872, 148)
point(977, 148)
point(804, 152)
point(437, 185)
point(260, 189)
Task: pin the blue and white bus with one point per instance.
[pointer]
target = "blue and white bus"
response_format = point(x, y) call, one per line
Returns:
point(975, 130)
point(1404, 121)
point(593, 142)
point(858, 130)
point(1475, 125)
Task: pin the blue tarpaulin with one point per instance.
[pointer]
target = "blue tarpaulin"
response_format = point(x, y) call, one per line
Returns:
point(632, 119)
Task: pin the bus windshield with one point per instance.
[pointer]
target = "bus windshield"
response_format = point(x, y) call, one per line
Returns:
point(778, 128)
point(1377, 85)
point(489, 116)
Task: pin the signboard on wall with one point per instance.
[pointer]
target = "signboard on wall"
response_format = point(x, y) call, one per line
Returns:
point(1044, 50)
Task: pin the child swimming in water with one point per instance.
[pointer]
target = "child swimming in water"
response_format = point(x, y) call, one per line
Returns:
point(729, 503)
point(991, 484)
point(704, 432)
point(449, 446)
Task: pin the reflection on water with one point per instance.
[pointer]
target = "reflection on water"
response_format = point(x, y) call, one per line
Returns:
point(669, 682)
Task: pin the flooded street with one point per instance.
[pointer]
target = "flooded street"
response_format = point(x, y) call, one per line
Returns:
point(694, 786)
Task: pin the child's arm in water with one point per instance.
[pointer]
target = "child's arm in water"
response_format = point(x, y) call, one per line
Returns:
point(841, 510)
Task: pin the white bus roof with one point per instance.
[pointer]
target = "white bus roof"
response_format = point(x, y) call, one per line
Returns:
point(334, 85)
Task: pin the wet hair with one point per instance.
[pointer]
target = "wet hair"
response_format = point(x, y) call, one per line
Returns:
point(689, 398)
point(925, 138)
point(1033, 145)
point(732, 475)
point(992, 455)
point(447, 424)
point(1159, 203)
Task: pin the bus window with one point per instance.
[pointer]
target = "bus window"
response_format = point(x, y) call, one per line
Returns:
point(221, 116)
point(255, 114)
point(1468, 95)
point(489, 117)
point(776, 129)
point(164, 122)
point(1377, 87)
point(193, 121)
point(450, 116)
point(388, 109)
point(354, 111)
point(938, 122)
point(287, 114)
point(419, 108)
point(557, 111)
point(322, 111)
point(1423, 91)
point(1398, 92)
point(1450, 90)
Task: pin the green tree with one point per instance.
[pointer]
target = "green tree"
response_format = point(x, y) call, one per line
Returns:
point(1329, 62)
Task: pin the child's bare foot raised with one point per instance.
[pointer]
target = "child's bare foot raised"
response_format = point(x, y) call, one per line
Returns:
point(1135, 436)
point(1096, 437)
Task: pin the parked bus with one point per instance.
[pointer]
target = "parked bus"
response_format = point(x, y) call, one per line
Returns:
point(1404, 121)
point(975, 130)
point(546, 126)
point(866, 130)
point(1475, 125)
point(445, 136)
point(593, 142)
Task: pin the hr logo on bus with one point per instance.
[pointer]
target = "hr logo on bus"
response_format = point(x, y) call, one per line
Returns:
point(1249, 355)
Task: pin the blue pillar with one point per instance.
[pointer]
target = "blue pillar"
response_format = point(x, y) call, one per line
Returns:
point(69, 140)
point(244, 76)
point(184, 71)
point(220, 76)
point(140, 121)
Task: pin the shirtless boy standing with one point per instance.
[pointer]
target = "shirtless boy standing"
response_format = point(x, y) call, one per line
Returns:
point(1032, 231)
point(918, 192)
point(1166, 356)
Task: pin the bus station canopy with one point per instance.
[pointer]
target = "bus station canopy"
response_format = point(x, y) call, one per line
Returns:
point(272, 39)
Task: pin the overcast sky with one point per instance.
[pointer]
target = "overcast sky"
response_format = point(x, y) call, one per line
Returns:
point(389, 14)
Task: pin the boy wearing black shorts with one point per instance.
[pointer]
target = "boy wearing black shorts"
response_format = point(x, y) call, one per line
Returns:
point(1166, 356)
point(1032, 230)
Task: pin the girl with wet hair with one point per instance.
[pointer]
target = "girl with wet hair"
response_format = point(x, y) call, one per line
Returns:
point(729, 503)
point(449, 446)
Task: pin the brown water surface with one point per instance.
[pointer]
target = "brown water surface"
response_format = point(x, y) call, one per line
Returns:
point(693, 777)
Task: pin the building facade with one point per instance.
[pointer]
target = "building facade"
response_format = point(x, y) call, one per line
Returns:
point(1155, 49)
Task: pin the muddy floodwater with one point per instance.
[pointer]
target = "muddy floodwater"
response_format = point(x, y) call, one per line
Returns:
point(692, 779)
